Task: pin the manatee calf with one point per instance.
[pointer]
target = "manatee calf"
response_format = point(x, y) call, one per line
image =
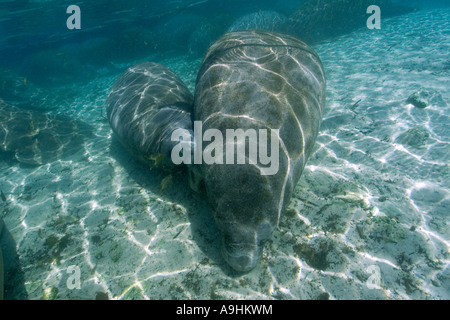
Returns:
point(256, 80)
point(145, 105)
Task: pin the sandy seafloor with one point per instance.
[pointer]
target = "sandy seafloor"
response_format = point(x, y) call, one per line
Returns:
point(376, 192)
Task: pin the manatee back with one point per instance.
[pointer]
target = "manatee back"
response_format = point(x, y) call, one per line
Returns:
point(264, 80)
point(145, 105)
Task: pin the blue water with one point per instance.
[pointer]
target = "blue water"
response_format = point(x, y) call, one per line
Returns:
point(375, 193)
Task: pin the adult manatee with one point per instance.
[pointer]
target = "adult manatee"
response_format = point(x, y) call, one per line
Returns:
point(145, 105)
point(257, 80)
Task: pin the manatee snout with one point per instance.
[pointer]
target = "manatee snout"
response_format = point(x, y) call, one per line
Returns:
point(241, 258)
point(242, 246)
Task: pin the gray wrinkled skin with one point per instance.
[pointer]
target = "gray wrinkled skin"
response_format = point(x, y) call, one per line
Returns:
point(258, 80)
point(145, 105)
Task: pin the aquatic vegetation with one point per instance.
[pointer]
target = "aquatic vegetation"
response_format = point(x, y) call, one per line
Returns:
point(385, 229)
point(50, 293)
point(115, 251)
point(414, 137)
point(322, 254)
point(426, 97)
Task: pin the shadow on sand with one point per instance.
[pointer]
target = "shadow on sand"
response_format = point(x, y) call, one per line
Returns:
point(203, 227)
point(13, 275)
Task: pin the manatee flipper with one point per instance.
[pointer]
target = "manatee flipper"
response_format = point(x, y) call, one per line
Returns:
point(166, 182)
point(262, 81)
point(156, 160)
point(195, 179)
point(145, 105)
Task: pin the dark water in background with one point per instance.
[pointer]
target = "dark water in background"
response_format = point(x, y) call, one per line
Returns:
point(35, 42)
point(28, 26)
point(40, 58)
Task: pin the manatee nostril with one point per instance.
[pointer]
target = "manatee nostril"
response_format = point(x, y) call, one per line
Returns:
point(243, 261)
point(239, 261)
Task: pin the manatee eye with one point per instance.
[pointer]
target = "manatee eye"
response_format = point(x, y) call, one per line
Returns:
point(227, 240)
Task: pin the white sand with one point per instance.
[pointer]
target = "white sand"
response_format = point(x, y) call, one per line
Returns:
point(372, 194)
